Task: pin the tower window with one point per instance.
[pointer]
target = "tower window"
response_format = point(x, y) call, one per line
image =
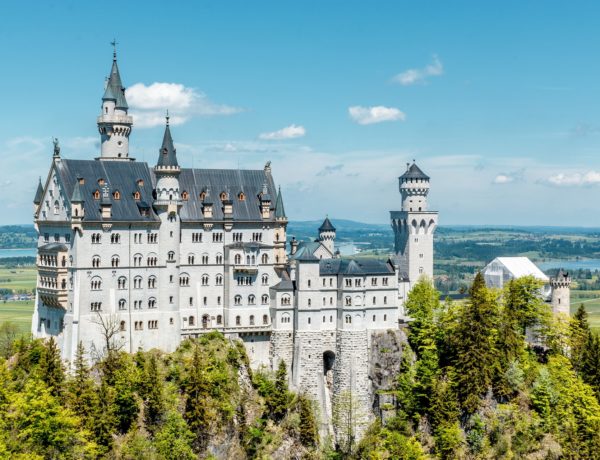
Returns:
point(223, 196)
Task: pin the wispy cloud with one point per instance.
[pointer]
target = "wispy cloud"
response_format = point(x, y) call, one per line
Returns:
point(327, 170)
point(149, 103)
point(508, 178)
point(376, 114)
point(414, 76)
point(573, 179)
point(289, 132)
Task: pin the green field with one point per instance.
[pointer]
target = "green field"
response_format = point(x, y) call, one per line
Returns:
point(17, 312)
point(20, 279)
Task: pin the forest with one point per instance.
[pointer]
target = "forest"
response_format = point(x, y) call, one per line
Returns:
point(494, 377)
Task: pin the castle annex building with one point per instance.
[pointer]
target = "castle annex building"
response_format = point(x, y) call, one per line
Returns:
point(158, 253)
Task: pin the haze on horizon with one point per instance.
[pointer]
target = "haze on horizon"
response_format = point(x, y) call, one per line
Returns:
point(497, 103)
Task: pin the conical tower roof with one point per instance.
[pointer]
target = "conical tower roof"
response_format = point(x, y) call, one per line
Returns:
point(168, 155)
point(326, 226)
point(279, 210)
point(115, 90)
point(39, 194)
point(414, 172)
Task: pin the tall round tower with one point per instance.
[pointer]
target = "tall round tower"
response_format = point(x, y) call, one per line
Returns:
point(327, 234)
point(114, 124)
point(561, 292)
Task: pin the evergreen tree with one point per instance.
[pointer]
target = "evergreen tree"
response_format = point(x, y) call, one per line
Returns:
point(197, 393)
point(590, 362)
point(173, 440)
point(476, 355)
point(279, 400)
point(154, 401)
point(579, 330)
point(82, 395)
point(105, 419)
point(309, 436)
point(51, 368)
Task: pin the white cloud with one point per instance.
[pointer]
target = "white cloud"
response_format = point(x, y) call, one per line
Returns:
point(503, 179)
point(574, 179)
point(289, 132)
point(149, 103)
point(376, 114)
point(413, 76)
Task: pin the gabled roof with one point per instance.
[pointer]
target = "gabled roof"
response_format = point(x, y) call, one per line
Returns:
point(167, 156)
point(305, 253)
point(77, 197)
point(114, 88)
point(518, 267)
point(414, 172)
point(39, 194)
point(279, 210)
point(326, 226)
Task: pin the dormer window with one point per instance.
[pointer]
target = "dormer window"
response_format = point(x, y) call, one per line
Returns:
point(241, 196)
point(223, 196)
point(117, 195)
point(202, 196)
point(185, 196)
point(140, 182)
point(136, 196)
point(81, 180)
point(101, 182)
point(96, 194)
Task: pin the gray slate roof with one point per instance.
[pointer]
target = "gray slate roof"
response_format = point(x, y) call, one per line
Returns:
point(119, 175)
point(167, 155)
point(326, 226)
point(279, 209)
point(414, 172)
point(39, 193)
point(77, 196)
point(114, 88)
point(306, 250)
point(355, 267)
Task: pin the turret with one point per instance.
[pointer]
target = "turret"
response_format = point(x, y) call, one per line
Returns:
point(167, 173)
point(561, 292)
point(39, 196)
point(114, 124)
point(414, 188)
point(327, 234)
point(265, 202)
point(77, 209)
point(280, 231)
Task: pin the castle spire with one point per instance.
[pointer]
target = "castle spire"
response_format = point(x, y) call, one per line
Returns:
point(279, 210)
point(39, 194)
point(114, 124)
point(167, 157)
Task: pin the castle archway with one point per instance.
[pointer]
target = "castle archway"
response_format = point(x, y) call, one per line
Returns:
point(328, 361)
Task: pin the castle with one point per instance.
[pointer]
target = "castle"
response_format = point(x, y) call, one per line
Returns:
point(137, 256)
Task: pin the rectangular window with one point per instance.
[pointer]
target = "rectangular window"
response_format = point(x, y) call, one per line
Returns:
point(67, 238)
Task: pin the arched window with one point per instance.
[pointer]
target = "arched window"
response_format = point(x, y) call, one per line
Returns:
point(96, 283)
point(137, 196)
point(219, 259)
point(114, 261)
point(202, 196)
point(151, 302)
point(285, 318)
point(191, 259)
point(265, 299)
point(185, 196)
point(238, 259)
point(219, 280)
point(122, 282)
point(122, 326)
point(56, 207)
point(251, 299)
point(285, 300)
point(184, 279)
point(117, 195)
point(241, 196)
point(96, 261)
point(238, 320)
point(265, 259)
point(205, 320)
point(265, 279)
point(122, 304)
point(151, 282)
point(348, 319)
point(223, 196)
point(191, 321)
point(96, 194)
point(171, 256)
point(219, 319)
point(237, 300)
point(205, 279)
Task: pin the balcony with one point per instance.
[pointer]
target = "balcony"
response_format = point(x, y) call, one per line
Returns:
point(248, 269)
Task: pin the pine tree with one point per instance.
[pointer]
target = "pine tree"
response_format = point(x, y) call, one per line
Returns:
point(476, 355)
point(590, 363)
point(279, 401)
point(309, 436)
point(154, 401)
point(82, 395)
point(51, 368)
point(105, 417)
point(579, 330)
point(197, 393)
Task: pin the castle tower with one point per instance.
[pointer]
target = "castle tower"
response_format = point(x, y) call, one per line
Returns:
point(414, 226)
point(167, 204)
point(114, 124)
point(561, 292)
point(280, 231)
point(327, 234)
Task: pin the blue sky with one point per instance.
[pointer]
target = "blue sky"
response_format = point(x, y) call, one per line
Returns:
point(498, 102)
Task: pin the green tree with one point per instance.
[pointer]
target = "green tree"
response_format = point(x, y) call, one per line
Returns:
point(476, 355)
point(590, 362)
point(309, 435)
point(173, 441)
point(82, 396)
point(51, 368)
point(152, 393)
point(105, 419)
point(279, 401)
point(579, 329)
point(197, 412)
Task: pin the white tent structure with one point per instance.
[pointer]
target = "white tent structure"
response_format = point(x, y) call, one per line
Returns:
point(502, 269)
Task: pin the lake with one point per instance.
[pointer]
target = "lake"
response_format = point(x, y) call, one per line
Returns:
point(590, 264)
point(27, 252)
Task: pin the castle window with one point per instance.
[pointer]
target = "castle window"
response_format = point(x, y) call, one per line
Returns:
point(122, 282)
point(96, 306)
point(238, 320)
point(140, 182)
point(191, 321)
point(348, 319)
point(56, 207)
point(101, 182)
point(219, 259)
point(137, 282)
point(309, 302)
point(219, 280)
point(324, 301)
point(348, 300)
point(96, 238)
point(153, 324)
point(241, 196)
point(385, 317)
point(96, 194)
point(114, 261)
point(96, 284)
point(205, 320)
point(202, 196)
point(191, 301)
point(191, 259)
point(122, 326)
point(122, 304)
point(348, 282)
point(171, 256)
point(151, 302)
point(308, 283)
point(238, 259)
point(385, 300)
point(285, 300)
point(204, 259)
point(185, 195)
point(237, 300)
point(265, 299)
point(219, 300)
point(373, 318)
point(420, 269)
point(117, 195)
point(223, 196)
point(96, 261)
point(251, 320)
point(265, 319)
point(151, 282)
point(205, 280)
point(251, 299)
point(323, 318)
point(308, 320)
point(115, 238)
point(265, 259)
point(171, 299)
point(196, 237)
point(331, 318)
point(384, 281)
point(219, 319)
point(137, 196)
point(373, 281)
point(184, 279)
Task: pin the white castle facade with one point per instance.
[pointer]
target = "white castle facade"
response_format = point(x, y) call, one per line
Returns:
point(162, 253)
